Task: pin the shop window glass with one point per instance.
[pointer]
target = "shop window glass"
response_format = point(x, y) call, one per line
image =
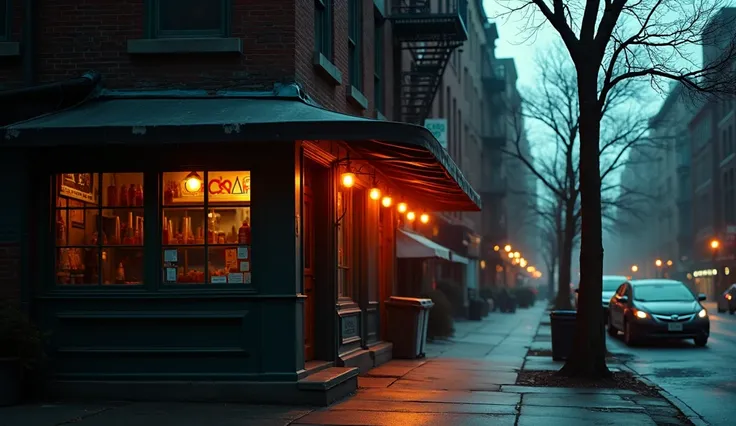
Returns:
point(99, 228)
point(344, 254)
point(206, 229)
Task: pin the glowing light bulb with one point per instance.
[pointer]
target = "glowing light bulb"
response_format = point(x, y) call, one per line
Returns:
point(507, 248)
point(496, 248)
point(411, 216)
point(424, 218)
point(348, 180)
point(193, 183)
point(375, 193)
point(402, 207)
point(386, 201)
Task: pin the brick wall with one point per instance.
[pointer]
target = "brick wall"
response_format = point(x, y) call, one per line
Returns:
point(75, 36)
point(80, 35)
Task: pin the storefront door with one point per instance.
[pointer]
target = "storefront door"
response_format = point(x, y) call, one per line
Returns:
point(309, 317)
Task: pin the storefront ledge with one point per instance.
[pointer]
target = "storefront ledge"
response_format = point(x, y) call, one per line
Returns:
point(184, 45)
point(9, 48)
point(356, 97)
point(327, 68)
point(257, 392)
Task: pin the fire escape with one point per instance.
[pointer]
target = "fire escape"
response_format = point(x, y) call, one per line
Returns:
point(429, 35)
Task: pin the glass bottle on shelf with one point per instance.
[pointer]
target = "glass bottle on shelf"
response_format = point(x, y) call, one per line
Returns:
point(123, 202)
point(131, 195)
point(139, 196)
point(169, 193)
point(112, 192)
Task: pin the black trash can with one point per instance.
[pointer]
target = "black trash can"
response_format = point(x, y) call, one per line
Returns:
point(563, 333)
point(408, 318)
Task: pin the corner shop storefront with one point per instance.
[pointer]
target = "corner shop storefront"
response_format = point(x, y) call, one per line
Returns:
point(203, 238)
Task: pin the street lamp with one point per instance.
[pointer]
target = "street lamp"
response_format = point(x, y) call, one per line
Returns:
point(634, 268)
point(507, 248)
point(658, 262)
point(669, 263)
point(714, 244)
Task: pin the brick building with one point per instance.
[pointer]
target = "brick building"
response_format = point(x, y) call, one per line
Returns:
point(150, 117)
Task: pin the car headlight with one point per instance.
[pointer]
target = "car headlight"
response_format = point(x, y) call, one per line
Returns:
point(703, 313)
point(641, 314)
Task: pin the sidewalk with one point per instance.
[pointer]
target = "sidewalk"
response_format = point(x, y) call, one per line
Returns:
point(468, 380)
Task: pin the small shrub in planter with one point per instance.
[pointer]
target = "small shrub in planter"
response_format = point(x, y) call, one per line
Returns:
point(524, 296)
point(455, 296)
point(21, 353)
point(441, 322)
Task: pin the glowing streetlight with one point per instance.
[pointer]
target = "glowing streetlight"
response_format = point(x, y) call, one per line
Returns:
point(517, 255)
point(669, 263)
point(496, 248)
point(658, 262)
point(714, 244)
point(634, 268)
point(507, 248)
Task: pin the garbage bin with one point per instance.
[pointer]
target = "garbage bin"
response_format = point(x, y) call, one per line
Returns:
point(563, 333)
point(408, 318)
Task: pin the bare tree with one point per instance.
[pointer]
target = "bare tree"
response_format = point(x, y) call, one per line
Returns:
point(553, 105)
point(611, 42)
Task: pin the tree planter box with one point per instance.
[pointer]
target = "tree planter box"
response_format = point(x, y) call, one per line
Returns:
point(11, 381)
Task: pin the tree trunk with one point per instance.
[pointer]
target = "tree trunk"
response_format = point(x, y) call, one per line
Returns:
point(588, 359)
point(566, 246)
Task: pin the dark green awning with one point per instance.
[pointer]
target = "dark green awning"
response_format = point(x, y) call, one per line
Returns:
point(418, 162)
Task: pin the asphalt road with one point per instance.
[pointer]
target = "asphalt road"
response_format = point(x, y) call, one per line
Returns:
point(703, 378)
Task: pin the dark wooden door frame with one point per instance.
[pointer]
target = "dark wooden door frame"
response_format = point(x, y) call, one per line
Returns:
point(325, 263)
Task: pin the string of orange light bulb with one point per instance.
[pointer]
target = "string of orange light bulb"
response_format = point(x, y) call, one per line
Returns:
point(348, 180)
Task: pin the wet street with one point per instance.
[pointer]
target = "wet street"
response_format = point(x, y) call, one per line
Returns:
point(703, 378)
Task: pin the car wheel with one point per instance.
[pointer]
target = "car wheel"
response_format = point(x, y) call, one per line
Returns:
point(612, 331)
point(629, 337)
point(701, 341)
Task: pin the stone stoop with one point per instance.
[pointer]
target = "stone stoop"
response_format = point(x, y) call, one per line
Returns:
point(366, 359)
point(327, 386)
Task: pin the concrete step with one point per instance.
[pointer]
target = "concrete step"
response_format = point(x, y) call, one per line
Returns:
point(329, 385)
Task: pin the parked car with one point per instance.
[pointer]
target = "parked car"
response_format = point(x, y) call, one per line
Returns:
point(610, 284)
point(658, 308)
point(727, 300)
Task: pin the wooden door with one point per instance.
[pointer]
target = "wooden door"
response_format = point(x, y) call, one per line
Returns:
point(308, 237)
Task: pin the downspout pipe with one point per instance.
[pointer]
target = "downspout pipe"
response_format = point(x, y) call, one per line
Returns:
point(30, 72)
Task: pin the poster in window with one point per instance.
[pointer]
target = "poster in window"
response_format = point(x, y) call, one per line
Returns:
point(80, 186)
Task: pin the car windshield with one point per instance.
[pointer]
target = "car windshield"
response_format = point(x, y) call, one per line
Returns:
point(611, 284)
point(662, 293)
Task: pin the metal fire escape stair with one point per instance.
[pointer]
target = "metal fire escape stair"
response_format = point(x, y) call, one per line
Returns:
point(430, 37)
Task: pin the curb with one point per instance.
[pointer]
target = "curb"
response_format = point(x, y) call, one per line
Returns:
point(688, 412)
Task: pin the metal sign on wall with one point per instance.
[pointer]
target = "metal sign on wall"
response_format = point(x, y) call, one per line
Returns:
point(438, 127)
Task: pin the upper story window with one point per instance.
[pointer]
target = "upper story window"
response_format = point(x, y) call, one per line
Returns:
point(323, 27)
point(189, 18)
point(355, 49)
